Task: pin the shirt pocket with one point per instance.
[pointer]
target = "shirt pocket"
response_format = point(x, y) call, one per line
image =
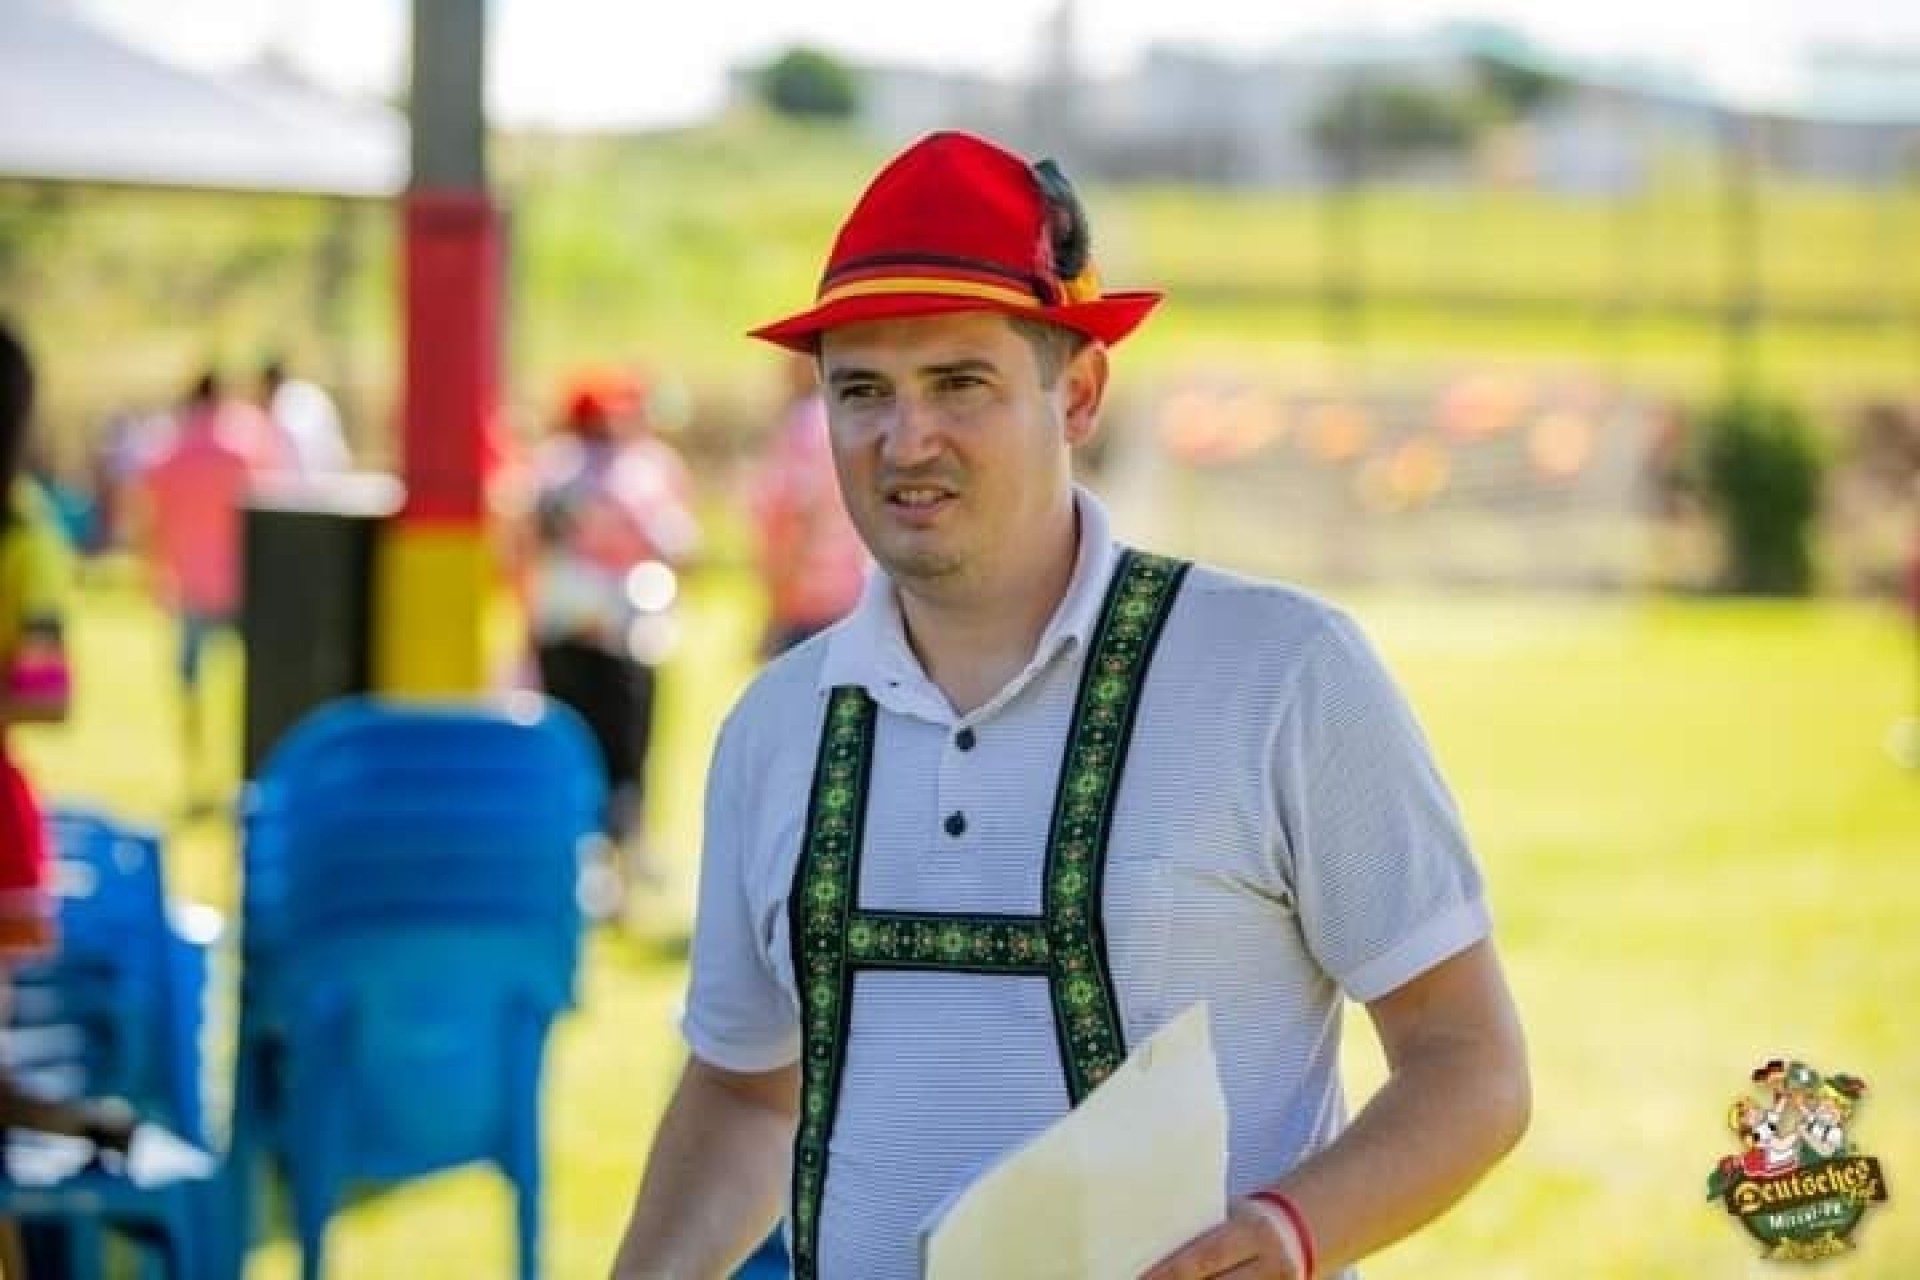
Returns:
point(1138, 918)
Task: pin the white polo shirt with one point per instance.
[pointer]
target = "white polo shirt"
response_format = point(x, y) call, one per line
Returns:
point(1281, 840)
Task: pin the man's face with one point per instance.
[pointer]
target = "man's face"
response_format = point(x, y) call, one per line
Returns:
point(952, 454)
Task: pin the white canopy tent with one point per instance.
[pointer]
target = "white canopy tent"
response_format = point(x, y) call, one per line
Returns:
point(79, 105)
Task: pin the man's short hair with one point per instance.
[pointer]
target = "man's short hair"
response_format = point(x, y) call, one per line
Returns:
point(1054, 346)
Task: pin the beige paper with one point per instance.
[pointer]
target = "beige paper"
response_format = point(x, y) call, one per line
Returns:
point(1128, 1176)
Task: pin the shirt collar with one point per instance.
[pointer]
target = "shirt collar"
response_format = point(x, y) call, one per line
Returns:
point(870, 648)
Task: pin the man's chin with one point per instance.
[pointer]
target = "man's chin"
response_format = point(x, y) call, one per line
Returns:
point(918, 564)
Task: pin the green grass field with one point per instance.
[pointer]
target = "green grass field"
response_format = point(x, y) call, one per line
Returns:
point(1700, 854)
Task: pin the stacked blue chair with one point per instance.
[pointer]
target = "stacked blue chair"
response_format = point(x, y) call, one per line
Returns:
point(410, 930)
point(115, 1012)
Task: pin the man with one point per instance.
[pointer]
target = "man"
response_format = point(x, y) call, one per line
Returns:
point(187, 511)
point(307, 419)
point(1039, 794)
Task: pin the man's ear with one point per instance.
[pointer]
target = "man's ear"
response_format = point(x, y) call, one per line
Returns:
point(1083, 386)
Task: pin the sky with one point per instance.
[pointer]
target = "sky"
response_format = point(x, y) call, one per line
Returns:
point(631, 63)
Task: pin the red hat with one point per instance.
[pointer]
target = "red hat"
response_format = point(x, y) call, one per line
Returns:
point(595, 397)
point(956, 223)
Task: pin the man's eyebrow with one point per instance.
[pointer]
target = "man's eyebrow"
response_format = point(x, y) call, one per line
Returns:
point(840, 377)
point(947, 368)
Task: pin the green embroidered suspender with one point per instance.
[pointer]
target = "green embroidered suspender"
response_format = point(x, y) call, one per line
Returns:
point(833, 937)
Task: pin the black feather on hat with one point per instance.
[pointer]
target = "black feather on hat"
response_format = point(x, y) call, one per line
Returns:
point(1068, 235)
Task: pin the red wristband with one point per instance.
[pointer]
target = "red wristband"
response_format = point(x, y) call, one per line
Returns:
point(1279, 1201)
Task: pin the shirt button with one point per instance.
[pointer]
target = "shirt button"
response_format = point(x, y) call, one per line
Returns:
point(964, 739)
point(956, 823)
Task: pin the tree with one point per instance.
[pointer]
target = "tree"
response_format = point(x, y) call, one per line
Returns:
point(1513, 89)
point(1393, 121)
point(809, 83)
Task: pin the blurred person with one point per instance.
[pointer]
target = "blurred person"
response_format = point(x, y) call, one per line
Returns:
point(811, 561)
point(186, 511)
point(612, 519)
point(308, 420)
point(118, 451)
point(34, 573)
point(268, 448)
point(1040, 793)
point(76, 510)
point(34, 689)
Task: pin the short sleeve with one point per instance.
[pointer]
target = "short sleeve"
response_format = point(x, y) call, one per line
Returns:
point(1383, 877)
point(738, 1015)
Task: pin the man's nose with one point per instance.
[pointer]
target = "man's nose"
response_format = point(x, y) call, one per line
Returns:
point(911, 435)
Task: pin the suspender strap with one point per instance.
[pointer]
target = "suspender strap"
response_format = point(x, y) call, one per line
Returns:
point(1086, 1013)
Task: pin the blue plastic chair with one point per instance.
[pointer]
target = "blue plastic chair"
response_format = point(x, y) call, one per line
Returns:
point(411, 930)
point(116, 1011)
point(107, 974)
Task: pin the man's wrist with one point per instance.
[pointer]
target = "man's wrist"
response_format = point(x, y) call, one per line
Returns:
point(1292, 1228)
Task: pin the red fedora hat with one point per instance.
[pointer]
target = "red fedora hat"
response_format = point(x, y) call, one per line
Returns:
point(956, 223)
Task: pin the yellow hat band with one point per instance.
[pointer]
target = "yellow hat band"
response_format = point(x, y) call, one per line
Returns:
point(882, 286)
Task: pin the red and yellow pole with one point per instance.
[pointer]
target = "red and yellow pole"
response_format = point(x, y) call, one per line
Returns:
point(433, 570)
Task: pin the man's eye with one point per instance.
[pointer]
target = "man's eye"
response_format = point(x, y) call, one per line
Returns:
point(858, 391)
point(960, 382)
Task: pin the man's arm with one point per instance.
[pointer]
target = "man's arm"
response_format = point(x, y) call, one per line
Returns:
point(717, 1177)
point(1456, 1099)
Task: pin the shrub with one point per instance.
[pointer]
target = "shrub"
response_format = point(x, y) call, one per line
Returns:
point(1761, 470)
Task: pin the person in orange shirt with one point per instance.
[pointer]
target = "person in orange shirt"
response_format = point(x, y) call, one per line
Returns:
point(811, 560)
point(187, 503)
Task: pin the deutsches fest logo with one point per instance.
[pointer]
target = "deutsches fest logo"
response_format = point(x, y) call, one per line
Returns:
point(1798, 1183)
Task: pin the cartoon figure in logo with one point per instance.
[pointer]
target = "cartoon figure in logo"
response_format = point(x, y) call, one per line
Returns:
point(1824, 1135)
point(1769, 1136)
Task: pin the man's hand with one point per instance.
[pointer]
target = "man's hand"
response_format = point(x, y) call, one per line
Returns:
point(1255, 1243)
